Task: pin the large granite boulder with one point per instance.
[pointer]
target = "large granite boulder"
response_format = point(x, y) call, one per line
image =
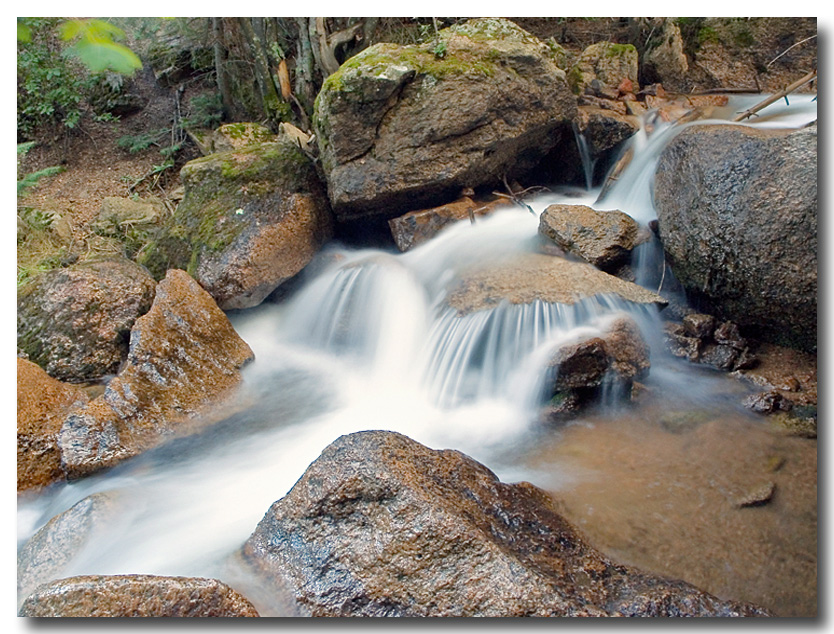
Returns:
point(75, 322)
point(136, 595)
point(42, 405)
point(529, 277)
point(181, 373)
point(250, 219)
point(665, 60)
point(737, 212)
point(380, 525)
point(401, 127)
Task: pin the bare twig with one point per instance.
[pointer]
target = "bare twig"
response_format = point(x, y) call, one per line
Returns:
point(789, 48)
point(774, 98)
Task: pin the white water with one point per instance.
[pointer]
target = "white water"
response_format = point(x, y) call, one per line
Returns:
point(366, 344)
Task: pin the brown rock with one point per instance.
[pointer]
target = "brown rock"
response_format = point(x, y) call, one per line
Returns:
point(719, 356)
point(602, 238)
point(416, 227)
point(526, 278)
point(580, 365)
point(182, 371)
point(42, 405)
point(380, 525)
point(627, 351)
point(136, 595)
point(74, 322)
point(679, 344)
point(758, 496)
point(604, 129)
point(699, 325)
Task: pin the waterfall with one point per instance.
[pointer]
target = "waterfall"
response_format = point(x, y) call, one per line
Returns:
point(584, 156)
point(368, 343)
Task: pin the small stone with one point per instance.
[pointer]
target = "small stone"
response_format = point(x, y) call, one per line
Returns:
point(759, 496)
point(766, 402)
point(728, 333)
point(719, 356)
point(699, 325)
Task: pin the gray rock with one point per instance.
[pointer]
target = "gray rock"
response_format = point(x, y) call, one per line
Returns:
point(737, 210)
point(399, 127)
point(380, 525)
point(75, 322)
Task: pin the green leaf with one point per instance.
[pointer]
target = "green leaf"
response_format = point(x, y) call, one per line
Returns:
point(24, 33)
point(103, 55)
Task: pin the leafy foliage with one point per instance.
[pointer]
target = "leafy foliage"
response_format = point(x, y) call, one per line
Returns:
point(27, 181)
point(94, 43)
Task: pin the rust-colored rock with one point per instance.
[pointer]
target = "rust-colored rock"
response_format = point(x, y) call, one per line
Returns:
point(416, 227)
point(42, 405)
point(380, 525)
point(182, 370)
point(526, 278)
point(74, 322)
point(602, 238)
point(136, 595)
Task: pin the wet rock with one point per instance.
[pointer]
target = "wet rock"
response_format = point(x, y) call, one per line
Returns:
point(136, 596)
point(399, 127)
point(737, 210)
point(602, 238)
point(699, 325)
point(606, 62)
point(794, 424)
point(679, 343)
point(381, 525)
point(250, 220)
point(628, 352)
point(50, 551)
point(683, 421)
point(526, 278)
point(728, 333)
point(767, 402)
point(579, 365)
point(719, 356)
point(416, 227)
point(181, 373)
point(605, 129)
point(74, 322)
point(42, 405)
point(757, 496)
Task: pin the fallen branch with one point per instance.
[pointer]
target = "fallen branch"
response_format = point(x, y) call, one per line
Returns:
point(774, 98)
point(789, 48)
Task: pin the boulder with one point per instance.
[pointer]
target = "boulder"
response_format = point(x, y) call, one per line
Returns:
point(42, 405)
point(417, 227)
point(528, 277)
point(604, 129)
point(400, 127)
point(606, 63)
point(231, 137)
point(181, 373)
point(737, 211)
point(50, 551)
point(74, 322)
point(119, 214)
point(380, 525)
point(602, 238)
point(249, 220)
point(136, 595)
point(665, 60)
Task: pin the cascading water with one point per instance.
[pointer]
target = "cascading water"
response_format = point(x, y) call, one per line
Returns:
point(369, 343)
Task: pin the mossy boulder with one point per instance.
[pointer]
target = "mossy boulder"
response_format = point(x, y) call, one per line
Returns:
point(249, 220)
point(400, 127)
point(75, 322)
point(607, 62)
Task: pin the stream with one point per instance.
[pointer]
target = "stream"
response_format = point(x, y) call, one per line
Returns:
point(367, 343)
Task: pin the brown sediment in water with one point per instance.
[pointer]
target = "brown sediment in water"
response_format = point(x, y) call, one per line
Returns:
point(674, 499)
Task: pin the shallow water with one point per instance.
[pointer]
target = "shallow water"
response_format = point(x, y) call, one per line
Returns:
point(367, 344)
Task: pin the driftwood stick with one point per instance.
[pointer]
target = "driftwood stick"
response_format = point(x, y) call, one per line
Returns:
point(789, 48)
point(774, 98)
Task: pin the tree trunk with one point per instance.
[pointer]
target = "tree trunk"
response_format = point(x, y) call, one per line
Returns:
point(220, 67)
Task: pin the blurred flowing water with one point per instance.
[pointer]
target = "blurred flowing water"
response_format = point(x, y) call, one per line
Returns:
point(369, 343)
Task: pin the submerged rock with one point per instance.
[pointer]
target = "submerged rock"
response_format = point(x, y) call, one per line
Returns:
point(75, 322)
point(380, 525)
point(405, 126)
point(42, 405)
point(417, 227)
point(602, 238)
point(250, 219)
point(136, 595)
point(50, 551)
point(528, 277)
point(181, 372)
point(737, 211)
